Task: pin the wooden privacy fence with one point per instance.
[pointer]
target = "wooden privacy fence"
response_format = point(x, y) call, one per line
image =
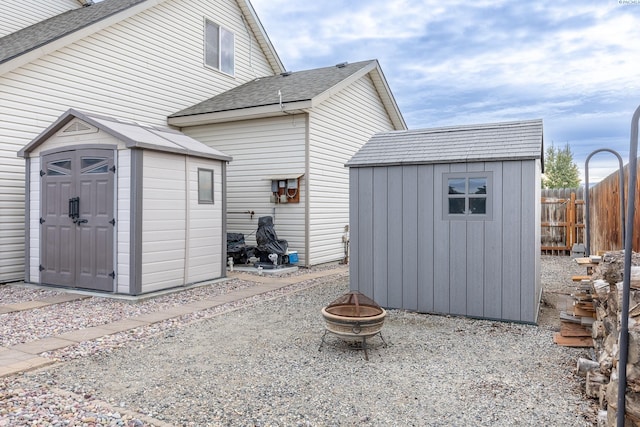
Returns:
point(604, 212)
point(562, 222)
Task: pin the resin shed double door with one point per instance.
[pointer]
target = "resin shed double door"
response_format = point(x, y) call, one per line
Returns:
point(77, 218)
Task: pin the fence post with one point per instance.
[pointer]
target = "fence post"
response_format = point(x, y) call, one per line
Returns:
point(572, 215)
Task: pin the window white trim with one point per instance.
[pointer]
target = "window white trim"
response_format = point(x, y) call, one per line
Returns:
point(219, 47)
point(467, 196)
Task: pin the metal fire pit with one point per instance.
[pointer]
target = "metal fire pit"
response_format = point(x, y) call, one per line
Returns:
point(354, 316)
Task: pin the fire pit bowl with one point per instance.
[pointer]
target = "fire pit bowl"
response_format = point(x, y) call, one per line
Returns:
point(354, 315)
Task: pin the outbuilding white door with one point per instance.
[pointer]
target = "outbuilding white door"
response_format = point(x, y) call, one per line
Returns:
point(77, 219)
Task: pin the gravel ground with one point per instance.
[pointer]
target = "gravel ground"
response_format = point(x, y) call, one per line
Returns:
point(257, 363)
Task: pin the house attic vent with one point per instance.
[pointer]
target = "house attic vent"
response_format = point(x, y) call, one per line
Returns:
point(285, 74)
point(342, 64)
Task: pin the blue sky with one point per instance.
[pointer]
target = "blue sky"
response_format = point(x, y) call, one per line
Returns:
point(574, 64)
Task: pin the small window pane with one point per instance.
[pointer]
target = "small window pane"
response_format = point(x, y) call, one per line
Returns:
point(63, 164)
point(226, 48)
point(477, 186)
point(478, 205)
point(205, 186)
point(60, 167)
point(212, 44)
point(456, 206)
point(457, 186)
point(99, 169)
point(90, 161)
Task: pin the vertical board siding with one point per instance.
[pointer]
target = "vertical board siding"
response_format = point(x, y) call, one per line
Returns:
point(493, 250)
point(441, 260)
point(409, 215)
point(18, 14)
point(394, 238)
point(425, 237)
point(486, 269)
point(528, 252)
point(354, 214)
point(359, 110)
point(511, 239)
point(457, 257)
point(144, 68)
point(476, 259)
point(365, 224)
point(261, 149)
point(380, 243)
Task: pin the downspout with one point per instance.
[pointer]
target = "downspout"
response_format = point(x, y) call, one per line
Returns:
point(626, 281)
point(586, 196)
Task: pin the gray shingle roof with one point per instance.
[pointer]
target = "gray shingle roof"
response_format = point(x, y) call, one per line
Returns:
point(51, 29)
point(294, 87)
point(470, 143)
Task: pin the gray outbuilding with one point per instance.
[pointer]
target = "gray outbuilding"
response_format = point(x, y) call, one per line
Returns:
point(118, 206)
point(447, 220)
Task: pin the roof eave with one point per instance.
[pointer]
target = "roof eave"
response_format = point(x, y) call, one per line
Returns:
point(47, 48)
point(71, 113)
point(388, 99)
point(362, 164)
point(261, 35)
point(381, 85)
point(273, 110)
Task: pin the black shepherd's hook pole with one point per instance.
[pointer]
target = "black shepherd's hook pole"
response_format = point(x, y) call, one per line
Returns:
point(626, 279)
point(586, 197)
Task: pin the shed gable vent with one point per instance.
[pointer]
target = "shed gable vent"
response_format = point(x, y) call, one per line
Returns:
point(78, 127)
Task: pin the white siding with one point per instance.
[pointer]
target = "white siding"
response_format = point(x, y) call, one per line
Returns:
point(261, 149)
point(18, 14)
point(164, 212)
point(338, 128)
point(34, 220)
point(181, 239)
point(144, 68)
point(204, 238)
point(123, 222)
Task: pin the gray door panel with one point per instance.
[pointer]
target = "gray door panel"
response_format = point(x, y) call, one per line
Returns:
point(79, 252)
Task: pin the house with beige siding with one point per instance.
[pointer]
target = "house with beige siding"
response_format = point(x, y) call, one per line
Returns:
point(209, 72)
point(290, 135)
point(135, 60)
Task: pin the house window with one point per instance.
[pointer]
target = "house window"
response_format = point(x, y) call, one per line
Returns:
point(205, 186)
point(467, 196)
point(219, 45)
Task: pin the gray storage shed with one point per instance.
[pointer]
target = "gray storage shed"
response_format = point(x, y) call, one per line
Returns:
point(117, 206)
point(447, 220)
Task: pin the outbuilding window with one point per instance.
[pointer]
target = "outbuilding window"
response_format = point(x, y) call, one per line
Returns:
point(219, 46)
point(467, 196)
point(205, 186)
